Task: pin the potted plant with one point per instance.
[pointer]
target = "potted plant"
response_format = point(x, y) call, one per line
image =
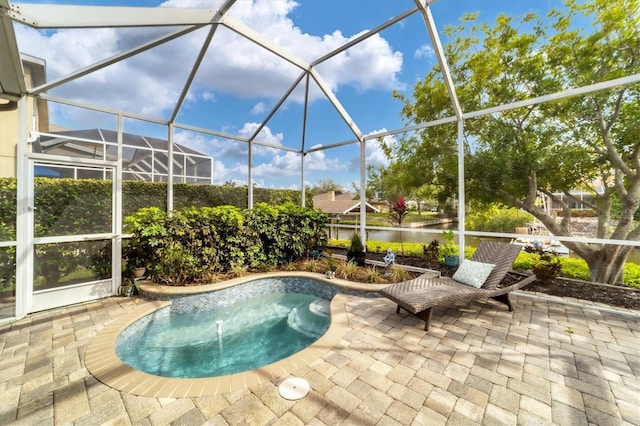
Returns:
point(128, 289)
point(356, 250)
point(448, 250)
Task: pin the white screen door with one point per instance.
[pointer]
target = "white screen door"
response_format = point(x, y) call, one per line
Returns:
point(71, 216)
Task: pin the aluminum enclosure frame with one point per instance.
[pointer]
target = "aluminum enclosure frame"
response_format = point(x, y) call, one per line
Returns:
point(49, 16)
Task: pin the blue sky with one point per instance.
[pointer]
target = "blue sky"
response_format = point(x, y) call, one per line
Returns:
point(238, 83)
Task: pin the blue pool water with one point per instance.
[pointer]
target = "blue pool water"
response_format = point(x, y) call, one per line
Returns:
point(254, 333)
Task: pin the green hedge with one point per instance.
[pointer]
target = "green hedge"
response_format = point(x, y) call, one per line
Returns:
point(69, 207)
point(191, 244)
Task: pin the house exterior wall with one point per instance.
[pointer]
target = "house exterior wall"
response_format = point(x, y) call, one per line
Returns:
point(9, 130)
point(8, 137)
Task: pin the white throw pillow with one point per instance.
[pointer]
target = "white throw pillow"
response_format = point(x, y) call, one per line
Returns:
point(473, 273)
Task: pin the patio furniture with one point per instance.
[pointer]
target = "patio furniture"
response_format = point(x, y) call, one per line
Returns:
point(419, 295)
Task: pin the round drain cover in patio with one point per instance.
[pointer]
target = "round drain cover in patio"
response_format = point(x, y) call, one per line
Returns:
point(294, 388)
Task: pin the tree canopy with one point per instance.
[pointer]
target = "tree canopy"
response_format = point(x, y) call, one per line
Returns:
point(588, 142)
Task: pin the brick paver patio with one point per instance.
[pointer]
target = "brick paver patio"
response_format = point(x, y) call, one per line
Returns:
point(546, 363)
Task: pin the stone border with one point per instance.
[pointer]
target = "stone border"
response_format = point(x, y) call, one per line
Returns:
point(103, 363)
point(151, 290)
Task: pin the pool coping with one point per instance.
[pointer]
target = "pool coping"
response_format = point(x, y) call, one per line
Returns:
point(163, 292)
point(103, 363)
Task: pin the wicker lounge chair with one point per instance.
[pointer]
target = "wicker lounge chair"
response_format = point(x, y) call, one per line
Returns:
point(419, 295)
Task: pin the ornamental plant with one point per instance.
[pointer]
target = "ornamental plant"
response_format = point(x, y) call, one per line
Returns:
point(399, 211)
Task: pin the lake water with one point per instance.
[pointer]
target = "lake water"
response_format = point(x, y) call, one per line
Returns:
point(425, 236)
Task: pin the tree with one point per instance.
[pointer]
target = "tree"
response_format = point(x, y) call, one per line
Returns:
point(324, 185)
point(515, 156)
point(375, 186)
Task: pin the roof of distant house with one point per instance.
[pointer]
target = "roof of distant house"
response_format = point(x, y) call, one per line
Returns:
point(335, 202)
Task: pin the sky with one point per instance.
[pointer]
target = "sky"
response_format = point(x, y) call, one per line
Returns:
point(238, 83)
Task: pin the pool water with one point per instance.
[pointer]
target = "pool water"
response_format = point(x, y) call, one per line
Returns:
point(254, 333)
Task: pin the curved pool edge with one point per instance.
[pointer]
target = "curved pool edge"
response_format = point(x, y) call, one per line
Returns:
point(166, 292)
point(103, 363)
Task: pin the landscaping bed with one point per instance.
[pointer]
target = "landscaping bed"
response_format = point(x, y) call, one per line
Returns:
point(614, 295)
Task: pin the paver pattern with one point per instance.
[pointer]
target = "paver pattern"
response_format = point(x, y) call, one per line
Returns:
point(546, 363)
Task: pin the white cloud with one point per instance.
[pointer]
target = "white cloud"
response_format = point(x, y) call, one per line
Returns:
point(369, 64)
point(287, 164)
point(265, 134)
point(374, 155)
point(318, 161)
point(259, 108)
point(230, 157)
point(425, 51)
point(373, 151)
point(151, 82)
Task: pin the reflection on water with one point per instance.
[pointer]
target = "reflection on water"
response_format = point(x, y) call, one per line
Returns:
point(422, 235)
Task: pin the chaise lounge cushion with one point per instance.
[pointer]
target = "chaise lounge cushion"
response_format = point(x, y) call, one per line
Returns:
point(500, 254)
point(473, 273)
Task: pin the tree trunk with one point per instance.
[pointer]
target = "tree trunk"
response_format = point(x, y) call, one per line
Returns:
point(607, 265)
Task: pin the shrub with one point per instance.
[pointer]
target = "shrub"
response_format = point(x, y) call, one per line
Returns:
point(497, 219)
point(347, 270)
point(448, 247)
point(632, 275)
point(398, 274)
point(310, 265)
point(431, 252)
point(575, 268)
point(192, 243)
point(355, 245)
point(372, 274)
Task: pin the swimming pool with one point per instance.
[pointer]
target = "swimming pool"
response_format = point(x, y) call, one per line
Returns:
point(103, 363)
point(240, 337)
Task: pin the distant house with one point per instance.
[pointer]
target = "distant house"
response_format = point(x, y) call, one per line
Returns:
point(336, 203)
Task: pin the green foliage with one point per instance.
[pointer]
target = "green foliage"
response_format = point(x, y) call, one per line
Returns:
point(347, 270)
point(287, 232)
point(190, 244)
point(70, 207)
point(372, 274)
point(497, 219)
point(331, 263)
point(398, 273)
point(548, 265)
point(574, 268)
point(550, 148)
point(356, 245)
point(632, 275)
point(448, 247)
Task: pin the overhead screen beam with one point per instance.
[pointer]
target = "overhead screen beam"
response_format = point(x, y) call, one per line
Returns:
point(365, 36)
point(112, 60)
point(439, 51)
point(64, 16)
point(72, 16)
point(203, 50)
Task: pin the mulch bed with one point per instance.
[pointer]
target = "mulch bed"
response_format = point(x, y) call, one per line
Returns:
point(614, 295)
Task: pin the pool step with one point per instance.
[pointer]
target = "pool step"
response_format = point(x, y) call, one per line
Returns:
point(305, 321)
point(320, 307)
